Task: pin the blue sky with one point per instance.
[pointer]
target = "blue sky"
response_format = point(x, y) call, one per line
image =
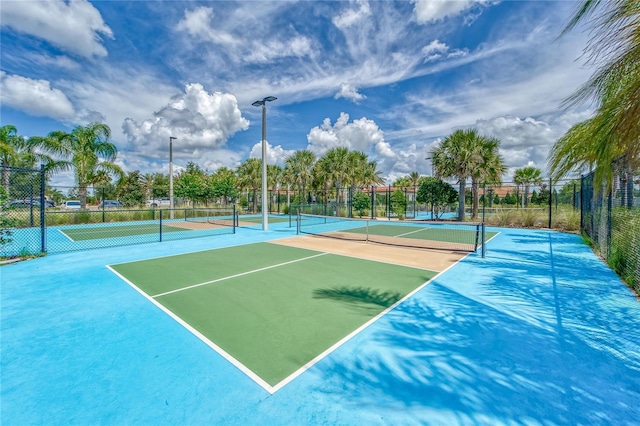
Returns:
point(387, 78)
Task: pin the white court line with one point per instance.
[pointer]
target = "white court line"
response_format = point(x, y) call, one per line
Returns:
point(237, 275)
point(65, 235)
point(412, 232)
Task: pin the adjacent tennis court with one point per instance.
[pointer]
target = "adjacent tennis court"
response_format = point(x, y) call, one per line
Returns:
point(114, 231)
point(272, 309)
point(466, 237)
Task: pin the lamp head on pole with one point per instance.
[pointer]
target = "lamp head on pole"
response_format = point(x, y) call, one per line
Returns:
point(263, 101)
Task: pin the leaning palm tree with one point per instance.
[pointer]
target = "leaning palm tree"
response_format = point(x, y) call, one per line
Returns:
point(615, 87)
point(527, 176)
point(86, 150)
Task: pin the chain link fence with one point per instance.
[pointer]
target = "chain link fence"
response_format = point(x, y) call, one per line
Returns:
point(611, 220)
point(36, 218)
point(22, 208)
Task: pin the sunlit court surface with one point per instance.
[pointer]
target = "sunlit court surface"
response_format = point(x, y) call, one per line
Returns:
point(279, 328)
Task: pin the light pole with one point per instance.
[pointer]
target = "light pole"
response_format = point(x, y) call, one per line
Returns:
point(263, 104)
point(171, 139)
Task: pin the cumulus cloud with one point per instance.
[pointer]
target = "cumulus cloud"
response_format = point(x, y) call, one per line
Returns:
point(275, 154)
point(200, 121)
point(349, 92)
point(359, 135)
point(428, 11)
point(75, 26)
point(35, 97)
point(523, 141)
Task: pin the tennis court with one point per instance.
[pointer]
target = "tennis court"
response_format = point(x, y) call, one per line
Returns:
point(272, 309)
point(99, 232)
point(540, 331)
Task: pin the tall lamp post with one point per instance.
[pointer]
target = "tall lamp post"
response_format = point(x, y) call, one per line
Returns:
point(171, 139)
point(263, 104)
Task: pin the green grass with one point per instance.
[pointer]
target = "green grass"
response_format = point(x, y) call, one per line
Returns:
point(274, 320)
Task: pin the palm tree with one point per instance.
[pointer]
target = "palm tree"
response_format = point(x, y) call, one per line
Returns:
point(86, 150)
point(16, 152)
point(336, 164)
point(615, 87)
point(11, 147)
point(275, 175)
point(298, 170)
point(455, 158)
point(527, 176)
point(250, 177)
point(414, 178)
point(465, 154)
point(489, 167)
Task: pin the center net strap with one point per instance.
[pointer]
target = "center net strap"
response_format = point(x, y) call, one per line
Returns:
point(429, 235)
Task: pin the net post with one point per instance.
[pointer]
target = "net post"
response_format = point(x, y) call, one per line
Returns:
point(367, 230)
point(298, 220)
point(483, 249)
point(233, 216)
point(160, 231)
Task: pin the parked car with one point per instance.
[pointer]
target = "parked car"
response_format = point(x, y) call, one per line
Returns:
point(109, 204)
point(31, 202)
point(71, 205)
point(158, 202)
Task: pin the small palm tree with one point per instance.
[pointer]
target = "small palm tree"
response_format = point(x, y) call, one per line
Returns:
point(527, 176)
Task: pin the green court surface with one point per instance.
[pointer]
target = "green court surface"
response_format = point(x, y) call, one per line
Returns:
point(272, 308)
point(254, 219)
point(435, 233)
point(99, 232)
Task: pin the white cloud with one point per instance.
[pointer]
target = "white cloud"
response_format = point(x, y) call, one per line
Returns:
point(350, 17)
point(429, 10)
point(349, 92)
point(35, 97)
point(359, 135)
point(200, 121)
point(242, 46)
point(198, 23)
point(75, 26)
point(275, 154)
point(436, 50)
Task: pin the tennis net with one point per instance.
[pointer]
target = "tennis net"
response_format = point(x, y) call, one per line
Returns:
point(467, 237)
point(218, 217)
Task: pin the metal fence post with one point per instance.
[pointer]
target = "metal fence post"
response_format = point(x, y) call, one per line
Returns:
point(43, 206)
